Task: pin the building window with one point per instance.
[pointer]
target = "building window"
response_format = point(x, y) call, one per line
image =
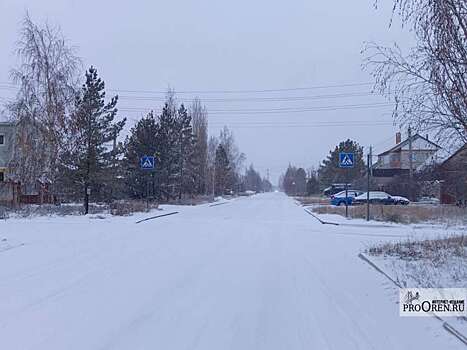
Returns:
point(2, 139)
point(2, 176)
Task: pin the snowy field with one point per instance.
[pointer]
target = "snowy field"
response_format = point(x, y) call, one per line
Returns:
point(254, 273)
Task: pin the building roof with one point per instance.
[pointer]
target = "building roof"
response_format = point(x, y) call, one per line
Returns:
point(461, 149)
point(440, 157)
point(400, 145)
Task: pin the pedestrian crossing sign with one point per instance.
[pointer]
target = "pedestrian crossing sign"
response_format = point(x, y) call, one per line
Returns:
point(346, 160)
point(147, 162)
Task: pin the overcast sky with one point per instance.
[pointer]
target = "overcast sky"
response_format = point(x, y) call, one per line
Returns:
point(218, 48)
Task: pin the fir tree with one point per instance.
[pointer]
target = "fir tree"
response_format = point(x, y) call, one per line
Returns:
point(143, 140)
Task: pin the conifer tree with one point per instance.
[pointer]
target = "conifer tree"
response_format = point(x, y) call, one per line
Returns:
point(88, 161)
point(330, 172)
point(169, 161)
point(222, 171)
point(186, 159)
point(143, 140)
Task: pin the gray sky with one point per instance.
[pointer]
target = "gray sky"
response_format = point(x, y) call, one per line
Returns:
point(146, 46)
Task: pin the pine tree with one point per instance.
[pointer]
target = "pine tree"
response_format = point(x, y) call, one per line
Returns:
point(330, 172)
point(89, 159)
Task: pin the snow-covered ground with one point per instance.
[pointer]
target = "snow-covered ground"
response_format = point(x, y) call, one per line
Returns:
point(255, 273)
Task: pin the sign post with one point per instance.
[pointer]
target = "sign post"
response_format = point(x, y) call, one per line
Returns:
point(147, 163)
point(346, 161)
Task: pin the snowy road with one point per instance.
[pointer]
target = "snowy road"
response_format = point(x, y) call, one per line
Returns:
point(256, 273)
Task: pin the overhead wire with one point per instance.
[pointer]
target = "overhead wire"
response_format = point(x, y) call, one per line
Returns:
point(7, 84)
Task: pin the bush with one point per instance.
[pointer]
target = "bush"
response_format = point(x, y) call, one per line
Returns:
point(432, 249)
point(431, 263)
point(65, 209)
point(308, 200)
point(446, 214)
point(124, 208)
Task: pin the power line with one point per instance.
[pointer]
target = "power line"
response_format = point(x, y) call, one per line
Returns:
point(297, 125)
point(231, 91)
point(253, 99)
point(260, 124)
point(244, 91)
point(277, 110)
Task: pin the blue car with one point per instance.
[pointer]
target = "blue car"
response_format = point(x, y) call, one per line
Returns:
point(341, 199)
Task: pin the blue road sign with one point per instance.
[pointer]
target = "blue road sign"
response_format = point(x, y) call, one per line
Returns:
point(147, 162)
point(346, 160)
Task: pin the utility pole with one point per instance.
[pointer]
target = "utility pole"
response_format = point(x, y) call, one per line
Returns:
point(410, 163)
point(369, 173)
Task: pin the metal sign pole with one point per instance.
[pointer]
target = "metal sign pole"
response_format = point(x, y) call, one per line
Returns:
point(147, 163)
point(368, 188)
point(346, 161)
point(346, 197)
point(147, 193)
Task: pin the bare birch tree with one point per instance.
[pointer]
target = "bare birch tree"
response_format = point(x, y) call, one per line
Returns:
point(429, 84)
point(47, 77)
point(213, 143)
point(235, 157)
point(199, 117)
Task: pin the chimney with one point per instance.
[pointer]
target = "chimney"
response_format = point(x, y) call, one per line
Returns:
point(398, 138)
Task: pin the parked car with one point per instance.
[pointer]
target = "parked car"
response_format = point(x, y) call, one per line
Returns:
point(334, 188)
point(341, 199)
point(376, 197)
point(400, 200)
point(428, 200)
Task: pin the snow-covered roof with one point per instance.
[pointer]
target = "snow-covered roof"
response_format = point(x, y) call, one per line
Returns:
point(415, 138)
point(441, 156)
point(460, 149)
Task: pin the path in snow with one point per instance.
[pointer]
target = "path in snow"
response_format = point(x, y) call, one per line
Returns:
point(256, 273)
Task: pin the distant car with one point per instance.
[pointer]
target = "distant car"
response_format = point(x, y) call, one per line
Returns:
point(334, 188)
point(428, 200)
point(376, 197)
point(246, 193)
point(400, 200)
point(340, 198)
